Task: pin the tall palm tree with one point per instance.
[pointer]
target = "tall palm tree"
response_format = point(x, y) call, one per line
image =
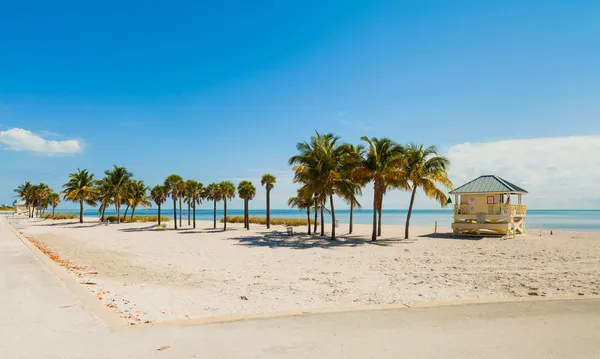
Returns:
point(426, 169)
point(54, 200)
point(301, 201)
point(247, 191)
point(268, 180)
point(173, 183)
point(25, 193)
point(355, 159)
point(138, 195)
point(195, 193)
point(187, 195)
point(117, 185)
point(227, 192)
point(384, 166)
point(212, 193)
point(320, 166)
point(39, 195)
point(80, 189)
point(105, 197)
point(159, 194)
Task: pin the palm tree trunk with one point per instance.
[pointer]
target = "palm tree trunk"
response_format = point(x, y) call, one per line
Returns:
point(55, 207)
point(374, 234)
point(80, 211)
point(248, 216)
point(159, 214)
point(315, 224)
point(103, 211)
point(194, 215)
point(215, 214)
point(175, 212)
point(180, 210)
point(132, 211)
point(118, 209)
point(268, 208)
point(332, 217)
point(412, 200)
point(351, 214)
point(379, 211)
point(225, 214)
point(189, 205)
point(126, 210)
point(322, 219)
point(308, 218)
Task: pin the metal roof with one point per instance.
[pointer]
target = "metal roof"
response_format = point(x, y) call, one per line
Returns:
point(488, 184)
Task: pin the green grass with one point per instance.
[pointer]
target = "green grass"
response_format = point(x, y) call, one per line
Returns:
point(143, 219)
point(274, 221)
point(7, 208)
point(60, 216)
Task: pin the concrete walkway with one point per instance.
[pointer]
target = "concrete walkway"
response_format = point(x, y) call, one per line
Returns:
point(40, 317)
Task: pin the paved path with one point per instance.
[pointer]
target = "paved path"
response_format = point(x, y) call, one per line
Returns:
point(40, 317)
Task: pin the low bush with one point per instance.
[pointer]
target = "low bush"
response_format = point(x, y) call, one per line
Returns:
point(59, 216)
point(7, 208)
point(143, 219)
point(274, 221)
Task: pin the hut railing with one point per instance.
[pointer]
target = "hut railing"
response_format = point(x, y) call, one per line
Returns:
point(492, 209)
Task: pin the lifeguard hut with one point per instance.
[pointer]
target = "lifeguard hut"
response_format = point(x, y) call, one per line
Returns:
point(484, 207)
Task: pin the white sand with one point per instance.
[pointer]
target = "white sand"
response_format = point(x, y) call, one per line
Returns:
point(159, 275)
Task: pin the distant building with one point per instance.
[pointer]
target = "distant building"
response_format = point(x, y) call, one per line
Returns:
point(484, 206)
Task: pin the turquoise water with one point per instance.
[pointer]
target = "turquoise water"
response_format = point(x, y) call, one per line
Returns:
point(551, 219)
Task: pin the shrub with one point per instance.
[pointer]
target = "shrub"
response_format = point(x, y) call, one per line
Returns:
point(7, 208)
point(59, 216)
point(143, 219)
point(274, 221)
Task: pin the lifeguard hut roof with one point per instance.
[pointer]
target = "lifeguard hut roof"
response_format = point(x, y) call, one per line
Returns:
point(489, 184)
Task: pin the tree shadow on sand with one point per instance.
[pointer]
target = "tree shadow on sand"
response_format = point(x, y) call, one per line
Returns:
point(276, 239)
point(453, 236)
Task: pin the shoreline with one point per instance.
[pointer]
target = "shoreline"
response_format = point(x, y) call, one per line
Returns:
point(149, 276)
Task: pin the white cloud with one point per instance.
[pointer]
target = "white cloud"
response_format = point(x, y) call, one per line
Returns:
point(18, 139)
point(561, 172)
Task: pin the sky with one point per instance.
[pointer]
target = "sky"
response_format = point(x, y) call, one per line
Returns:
point(224, 90)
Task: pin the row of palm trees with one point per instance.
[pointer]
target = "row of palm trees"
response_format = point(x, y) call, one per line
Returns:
point(37, 198)
point(118, 188)
point(325, 168)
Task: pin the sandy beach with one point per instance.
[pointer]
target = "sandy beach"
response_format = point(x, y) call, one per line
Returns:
point(155, 275)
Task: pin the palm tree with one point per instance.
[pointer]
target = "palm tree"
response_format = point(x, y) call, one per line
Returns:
point(25, 192)
point(301, 201)
point(247, 191)
point(104, 191)
point(159, 194)
point(268, 180)
point(426, 169)
point(355, 159)
point(227, 192)
point(212, 193)
point(384, 166)
point(54, 200)
point(79, 189)
point(320, 166)
point(187, 195)
point(195, 193)
point(39, 194)
point(138, 195)
point(117, 186)
point(173, 183)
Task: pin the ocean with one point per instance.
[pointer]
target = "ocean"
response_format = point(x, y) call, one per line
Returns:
point(550, 219)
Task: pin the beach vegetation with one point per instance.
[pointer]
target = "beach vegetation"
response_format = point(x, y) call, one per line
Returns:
point(138, 195)
point(59, 216)
point(135, 219)
point(116, 188)
point(159, 194)
point(7, 208)
point(176, 186)
point(303, 201)
point(227, 192)
point(212, 193)
point(292, 222)
point(194, 194)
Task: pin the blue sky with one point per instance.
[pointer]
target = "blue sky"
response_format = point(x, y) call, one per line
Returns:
point(224, 90)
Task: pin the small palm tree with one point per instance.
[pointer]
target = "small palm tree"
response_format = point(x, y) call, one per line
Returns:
point(247, 191)
point(187, 195)
point(54, 201)
point(212, 193)
point(426, 169)
point(302, 201)
point(268, 180)
point(104, 192)
point(138, 195)
point(227, 192)
point(194, 192)
point(117, 186)
point(384, 166)
point(173, 183)
point(25, 193)
point(80, 189)
point(159, 194)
